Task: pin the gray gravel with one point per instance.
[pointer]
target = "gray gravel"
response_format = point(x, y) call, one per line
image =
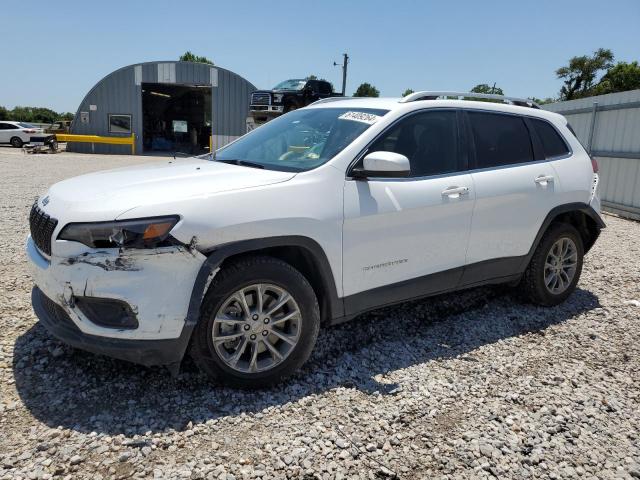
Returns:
point(469, 385)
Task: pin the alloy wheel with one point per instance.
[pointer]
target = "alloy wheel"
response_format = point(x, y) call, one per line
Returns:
point(256, 328)
point(560, 265)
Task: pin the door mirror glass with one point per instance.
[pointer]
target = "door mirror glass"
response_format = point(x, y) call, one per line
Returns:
point(384, 164)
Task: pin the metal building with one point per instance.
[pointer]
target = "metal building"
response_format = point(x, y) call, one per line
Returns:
point(166, 106)
point(609, 127)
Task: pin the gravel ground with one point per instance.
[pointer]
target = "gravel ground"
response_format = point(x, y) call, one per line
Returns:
point(469, 385)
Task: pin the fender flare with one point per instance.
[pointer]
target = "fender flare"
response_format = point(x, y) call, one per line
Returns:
point(554, 213)
point(220, 253)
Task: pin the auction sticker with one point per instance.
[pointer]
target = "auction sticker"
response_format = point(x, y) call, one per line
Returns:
point(368, 118)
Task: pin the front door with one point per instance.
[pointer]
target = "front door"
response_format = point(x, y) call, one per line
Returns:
point(408, 237)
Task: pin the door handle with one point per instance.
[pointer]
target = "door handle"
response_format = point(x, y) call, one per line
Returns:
point(543, 179)
point(455, 192)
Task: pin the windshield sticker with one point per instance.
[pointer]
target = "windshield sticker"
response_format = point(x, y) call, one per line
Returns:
point(368, 118)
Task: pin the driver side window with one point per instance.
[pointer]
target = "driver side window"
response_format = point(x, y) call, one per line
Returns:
point(428, 139)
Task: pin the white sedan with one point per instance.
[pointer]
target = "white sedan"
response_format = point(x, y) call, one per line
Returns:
point(17, 133)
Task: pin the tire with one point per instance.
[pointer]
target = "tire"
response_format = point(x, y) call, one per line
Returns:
point(267, 277)
point(540, 278)
point(16, 142)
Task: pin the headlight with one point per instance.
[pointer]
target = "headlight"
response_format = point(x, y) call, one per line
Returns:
point(277, 98)
point(140, 233)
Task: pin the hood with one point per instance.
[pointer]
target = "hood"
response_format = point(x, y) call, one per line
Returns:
point(107, 194)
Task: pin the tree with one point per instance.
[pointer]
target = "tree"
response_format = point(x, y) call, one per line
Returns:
point(190, 57)
point(621, 77)
point(366, 90)
point(484, 88)
point(4, 113)
point(542, 101)
point(580, 75)
point(311, 77)
point(408, 91)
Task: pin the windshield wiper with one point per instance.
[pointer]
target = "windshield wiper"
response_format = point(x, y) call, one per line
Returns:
point(242, 163)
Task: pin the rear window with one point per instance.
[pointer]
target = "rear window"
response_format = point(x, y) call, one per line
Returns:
point(500, 139)
point(552, 142)
point(26, 125)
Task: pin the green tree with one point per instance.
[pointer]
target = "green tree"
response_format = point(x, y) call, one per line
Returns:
point(366, 90)
point(542, 101)
point(66, 116)
point(190, 57)
point(408, 91)
point(4, 113)
point(311, 77)
point(621, 77)
point(580, 75)
point(485, 88)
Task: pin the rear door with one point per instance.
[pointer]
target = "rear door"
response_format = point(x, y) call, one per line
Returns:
point(515, 189)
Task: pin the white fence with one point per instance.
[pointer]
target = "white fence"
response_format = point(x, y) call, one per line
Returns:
point(609, 127)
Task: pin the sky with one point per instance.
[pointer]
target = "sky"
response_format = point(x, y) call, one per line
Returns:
point(53, 54)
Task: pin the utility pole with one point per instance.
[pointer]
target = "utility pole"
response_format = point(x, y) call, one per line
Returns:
point(345, 62)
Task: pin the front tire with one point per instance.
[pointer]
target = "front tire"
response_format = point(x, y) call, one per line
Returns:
point(555, 268)
point(16, 142)
point(259, 323)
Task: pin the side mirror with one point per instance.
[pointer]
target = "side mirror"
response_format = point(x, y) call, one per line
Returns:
point(383, 164)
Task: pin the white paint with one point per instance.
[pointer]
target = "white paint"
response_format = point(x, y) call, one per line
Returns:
point(374, 232)
point(137, 75)
point(93, 108)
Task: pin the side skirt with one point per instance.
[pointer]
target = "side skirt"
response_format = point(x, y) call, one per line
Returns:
point(500, 270)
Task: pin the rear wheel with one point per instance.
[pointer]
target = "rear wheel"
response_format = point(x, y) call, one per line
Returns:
point(554, 270)
point(259, 323)
point(16, 142)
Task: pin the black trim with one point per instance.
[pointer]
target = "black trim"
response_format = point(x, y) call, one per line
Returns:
point(222, 252)
point(145, 352)
point(536, 142)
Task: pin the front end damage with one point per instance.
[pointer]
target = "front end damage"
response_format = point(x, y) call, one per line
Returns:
point(126, 303)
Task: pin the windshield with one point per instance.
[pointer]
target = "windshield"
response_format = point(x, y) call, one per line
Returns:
point(300, 140)
point(290, 85)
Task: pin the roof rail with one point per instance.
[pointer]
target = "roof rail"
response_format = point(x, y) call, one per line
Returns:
point(429, 95)
point(332, 99)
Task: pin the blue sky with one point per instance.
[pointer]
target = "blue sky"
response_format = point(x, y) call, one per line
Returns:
point(53, 53)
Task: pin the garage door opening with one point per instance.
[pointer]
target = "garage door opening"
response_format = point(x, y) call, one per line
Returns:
point(176, 118)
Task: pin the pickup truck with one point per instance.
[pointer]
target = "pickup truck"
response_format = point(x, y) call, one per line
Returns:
point(286, 96)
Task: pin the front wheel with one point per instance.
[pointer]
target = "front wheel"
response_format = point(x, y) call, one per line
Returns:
point(554, 270)
point(259, 323)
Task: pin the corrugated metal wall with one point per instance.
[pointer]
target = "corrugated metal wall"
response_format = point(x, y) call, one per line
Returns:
point(121, 93)
point(609, 125)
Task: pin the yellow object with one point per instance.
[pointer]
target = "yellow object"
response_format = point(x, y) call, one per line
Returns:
point(210, 143)
point(131, 140)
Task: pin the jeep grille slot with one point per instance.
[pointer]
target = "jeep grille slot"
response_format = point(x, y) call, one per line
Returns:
point(42, 227)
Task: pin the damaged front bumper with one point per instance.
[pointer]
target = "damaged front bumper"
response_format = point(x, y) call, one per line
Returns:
point(156, 286)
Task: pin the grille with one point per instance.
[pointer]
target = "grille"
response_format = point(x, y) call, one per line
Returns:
point(55, 312)
point(42, 227)
point(260, 99)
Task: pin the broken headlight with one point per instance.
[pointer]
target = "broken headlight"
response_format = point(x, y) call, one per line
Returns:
point(140, 233)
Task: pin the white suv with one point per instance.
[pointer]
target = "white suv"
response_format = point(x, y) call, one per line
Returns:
point(322, 214)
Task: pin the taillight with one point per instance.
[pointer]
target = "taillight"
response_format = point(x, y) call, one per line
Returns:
point(29, 131)
point(594, 164)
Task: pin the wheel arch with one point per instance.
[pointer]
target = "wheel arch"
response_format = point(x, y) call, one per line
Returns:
point(303, 253)
point(580, 215)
